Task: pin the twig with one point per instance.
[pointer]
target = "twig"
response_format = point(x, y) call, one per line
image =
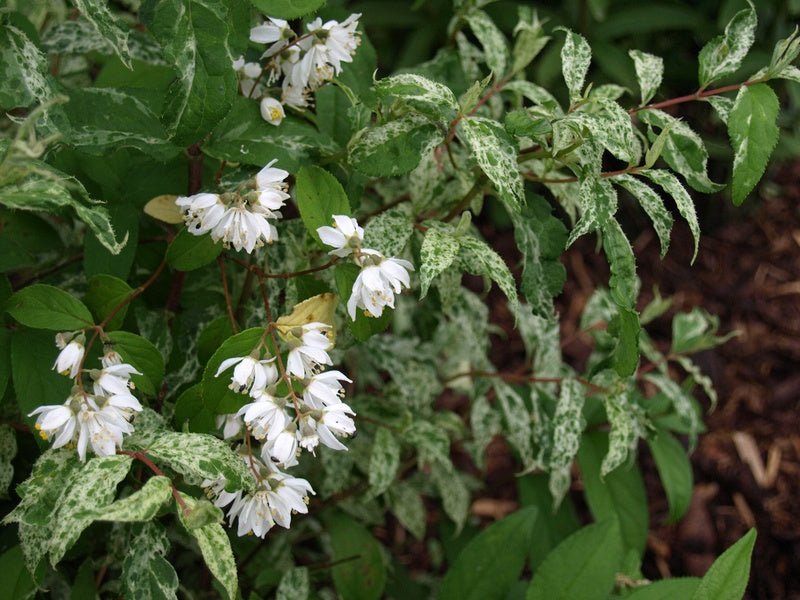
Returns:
point(698, 95)
point(226, 292)
point(143, 458)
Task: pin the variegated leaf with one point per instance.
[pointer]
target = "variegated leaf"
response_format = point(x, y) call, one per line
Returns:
point(652, 204)
point(672, 186)
point(649, 72)
point(440, 248)
point(495, 46)
point(576, 55)
point(567, 426)
point(723, 55)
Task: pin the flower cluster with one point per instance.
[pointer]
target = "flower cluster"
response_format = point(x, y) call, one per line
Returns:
point(99, 419)
point(302, 63)
point(291, 409)
point(380, 277)
point(242, 218)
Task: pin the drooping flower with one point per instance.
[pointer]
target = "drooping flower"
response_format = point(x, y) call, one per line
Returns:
point(201, 212)
point(344, 237)
point(114, 379)
point(250, 374)
point(70, 358)
point(336, 422)
point(272, 31)
point(281, 446)
point(264, 415)
point(271, 187)
point(271, 111)
point(337, 42)
point(57, 421)
point(231, 425)
point(378, 282)
point(305, 358)
point(324, 389)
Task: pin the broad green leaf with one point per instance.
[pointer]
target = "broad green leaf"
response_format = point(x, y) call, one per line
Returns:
point(146, 573)
point(424, 95)
point(287, 9)
point(407, 506)
point(619, 495)
point(667, 589)
point(217, 397)
point(46, 307)
point(18, 584)
point(384, 461)
point(567, 426)
point(142, 505)
point(598, 205)
point(652, 204)
point(675, 472)
point(199, 456)
point(683, 150)
point(104, 294)
point(111, 28)
point(496, 154)
point(521, 123)
point(97, 259)
point(365, 325)
point(576, 55)
point(215, 548)
point(672, 186)
point(363, 577)
point(495, 46)
point(625, 327)
point(490, 565)
point(35, 382)
point(394, 148)
point(728, 576)
point(8, 451)
point(754, 133)
point(649, 72)
point(191, 413)
point(319, 196)
point(582, 567)
point(143, 355)
point(681, 400)
point(294, 585)
point(188, 252)
point(439, 249)
point(389, 232)
point(723, 55)
point(478, 258)
point(623, 282)
point(93, 485)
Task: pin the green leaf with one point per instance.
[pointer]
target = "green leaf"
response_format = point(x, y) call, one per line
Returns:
point(93, 485)
point(754, 133)
point(8, 451)
point(625, 327)
point(143, 355)
point(111, 28)
point(199, 456)
point(35, 382)
point(406, 504)
point(455, 495)
point(518, 421)
point(287, 9)
point(490, 565)
point(728, 576)
point(191, 413)
point(384, 461)
point(581, 567)
point(97, 259)
point(104, 294)
point(439, 249)
point(667, 589)
point(319, 196)
point(142, 505)
point(682, 403)
point(623, 282)
point(424, 95)
point(529, 40)
point(389, 232)
point(649, 72)
point(146, 573)
point(695, 331)
point(363, 576)
point(495, 46)
point(672, 186)
point(394, 148)
point(215, 548)
point(188, 252)
point(620, 495)
point(217, 397)
point(567, 424)
point(576, 55)
point(598, 205)
point(364, 326)
point(723, 55)
point(675, 472)
point(683, 149)
point(46, 307)
point(294, 585)
point(17, 582)
point(196, 36)
point(496, 154)
point(653, 205)
point(478, 258)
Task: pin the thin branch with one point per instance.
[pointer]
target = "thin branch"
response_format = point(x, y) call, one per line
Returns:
point(465, 201)
point(143, 458)
point(698, 95)
point(226, 292)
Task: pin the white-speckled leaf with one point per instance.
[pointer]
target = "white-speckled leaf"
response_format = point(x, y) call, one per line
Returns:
point(8, 450)
point(703, 380)
point(389, 231)
point(294, 585)
point(652, 204)
point(722, 105)
point(624, 434)
point(484, 423)
point(576, 55)
point(424, 95)
point(383, 462)
point(80, 37)
point(649, 73)
point(93, 485)
point(455, 495)
point(406, 504)
point(478, 258)
point(146, 573)
point(518, 422)
point(598, 205)
point(496, 154)
point(215, 548)
point(544, 102)
point(672, 186)
point(439, 249)
point(567, 426)
point(723, 55)
point(142, 505)
point(682, 403)
point(107, 25)
point(495, 46)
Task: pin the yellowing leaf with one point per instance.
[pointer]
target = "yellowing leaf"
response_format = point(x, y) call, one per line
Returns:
point(317, 309)
point(164, 209)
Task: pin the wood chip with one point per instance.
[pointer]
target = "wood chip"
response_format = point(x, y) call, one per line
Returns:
point(747, 449)
point(747, 516)
point(493, 507)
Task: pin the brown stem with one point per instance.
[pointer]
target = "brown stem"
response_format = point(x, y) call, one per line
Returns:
point(626, 170)
point(465, 201)
point(143, 458)
point(226, 292)
point(698, 95)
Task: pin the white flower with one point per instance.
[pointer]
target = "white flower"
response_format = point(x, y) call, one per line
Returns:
point(281, 447)
point(249, 74)
point(111, 357)
point(264, 416)
point(244, 229)
point(377, 283)
point(250, 373)
point(254, 514)
point(114, 379)
point(70, 358)
point(337, 42)
point(56, 420)
point(272, 111)
point(272, 31)
point(335, 421)
point(324, 389)
point(271, 187)
point(345, 235)
point(231, 425)
point(304, 359)
point(201, 212)
point(297, 97)
point(288, 495)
